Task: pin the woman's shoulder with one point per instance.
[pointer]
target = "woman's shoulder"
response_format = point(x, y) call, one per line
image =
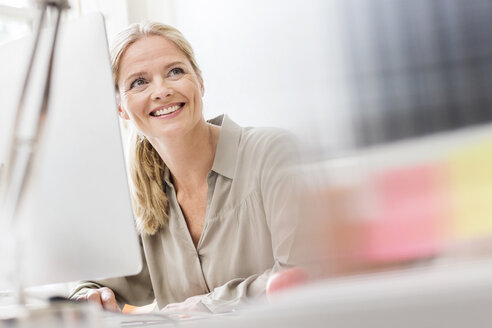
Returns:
point(251, 137)
point(268, 147)
point(254, 149)
point(264, 138)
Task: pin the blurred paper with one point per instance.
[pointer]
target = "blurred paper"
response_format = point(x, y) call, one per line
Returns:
point(471, 190)
point(410, 214)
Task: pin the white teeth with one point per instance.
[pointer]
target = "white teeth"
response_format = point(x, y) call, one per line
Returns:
point(167, 110)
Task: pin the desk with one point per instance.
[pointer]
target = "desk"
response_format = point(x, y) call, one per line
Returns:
point(451, 295)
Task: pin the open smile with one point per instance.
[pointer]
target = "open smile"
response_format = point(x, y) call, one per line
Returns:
point(166, 110)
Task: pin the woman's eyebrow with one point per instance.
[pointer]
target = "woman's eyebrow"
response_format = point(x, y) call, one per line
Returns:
point(176, 62)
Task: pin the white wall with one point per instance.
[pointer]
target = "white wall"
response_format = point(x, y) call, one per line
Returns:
point(273, 63)
point(152, 10)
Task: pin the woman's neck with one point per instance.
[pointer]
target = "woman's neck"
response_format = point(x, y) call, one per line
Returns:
point(189, 157)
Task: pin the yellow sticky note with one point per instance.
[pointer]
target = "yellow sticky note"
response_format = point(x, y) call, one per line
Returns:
point(471, 190)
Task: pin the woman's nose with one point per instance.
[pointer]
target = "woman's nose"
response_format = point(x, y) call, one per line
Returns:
point(161, 90)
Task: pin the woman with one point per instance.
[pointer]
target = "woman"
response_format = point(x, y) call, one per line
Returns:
point(213, 201)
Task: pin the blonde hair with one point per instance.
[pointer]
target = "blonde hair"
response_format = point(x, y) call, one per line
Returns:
point(146, 167)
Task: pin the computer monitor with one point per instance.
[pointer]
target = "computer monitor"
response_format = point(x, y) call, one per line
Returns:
point(76, 220)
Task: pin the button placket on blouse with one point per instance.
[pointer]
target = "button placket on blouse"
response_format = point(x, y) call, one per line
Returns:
point(188, 242)
point(211, 179)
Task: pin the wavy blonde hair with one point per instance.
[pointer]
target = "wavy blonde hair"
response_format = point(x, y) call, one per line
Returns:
point(146, 167)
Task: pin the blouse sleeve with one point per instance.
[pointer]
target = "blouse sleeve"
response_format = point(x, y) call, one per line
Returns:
point(134, 290)
point(280, 190)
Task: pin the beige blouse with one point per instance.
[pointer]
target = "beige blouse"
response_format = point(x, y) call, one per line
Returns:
point(251, 218)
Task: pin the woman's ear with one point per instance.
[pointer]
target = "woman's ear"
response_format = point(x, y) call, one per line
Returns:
point(202, 87)
point(122, 113)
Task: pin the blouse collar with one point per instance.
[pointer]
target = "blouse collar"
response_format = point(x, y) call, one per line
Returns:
point(227, 148)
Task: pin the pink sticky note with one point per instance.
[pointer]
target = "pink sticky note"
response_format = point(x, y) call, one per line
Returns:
point(409, 207)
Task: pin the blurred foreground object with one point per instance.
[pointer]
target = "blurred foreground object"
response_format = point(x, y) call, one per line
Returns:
point(415, 184)
point(449, 296)
point(73, 315)
point(287, 279)
point(407, 202)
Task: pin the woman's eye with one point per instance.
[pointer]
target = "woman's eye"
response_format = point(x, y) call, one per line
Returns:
point(176, 71)
point(138, 82)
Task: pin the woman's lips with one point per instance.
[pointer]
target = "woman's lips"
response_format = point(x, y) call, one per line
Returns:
point(166, 110)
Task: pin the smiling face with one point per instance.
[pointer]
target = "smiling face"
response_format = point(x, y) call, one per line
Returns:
point(159, 90)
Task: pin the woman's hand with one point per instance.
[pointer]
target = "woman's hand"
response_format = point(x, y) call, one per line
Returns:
point(102, 296)
point(191, 304)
